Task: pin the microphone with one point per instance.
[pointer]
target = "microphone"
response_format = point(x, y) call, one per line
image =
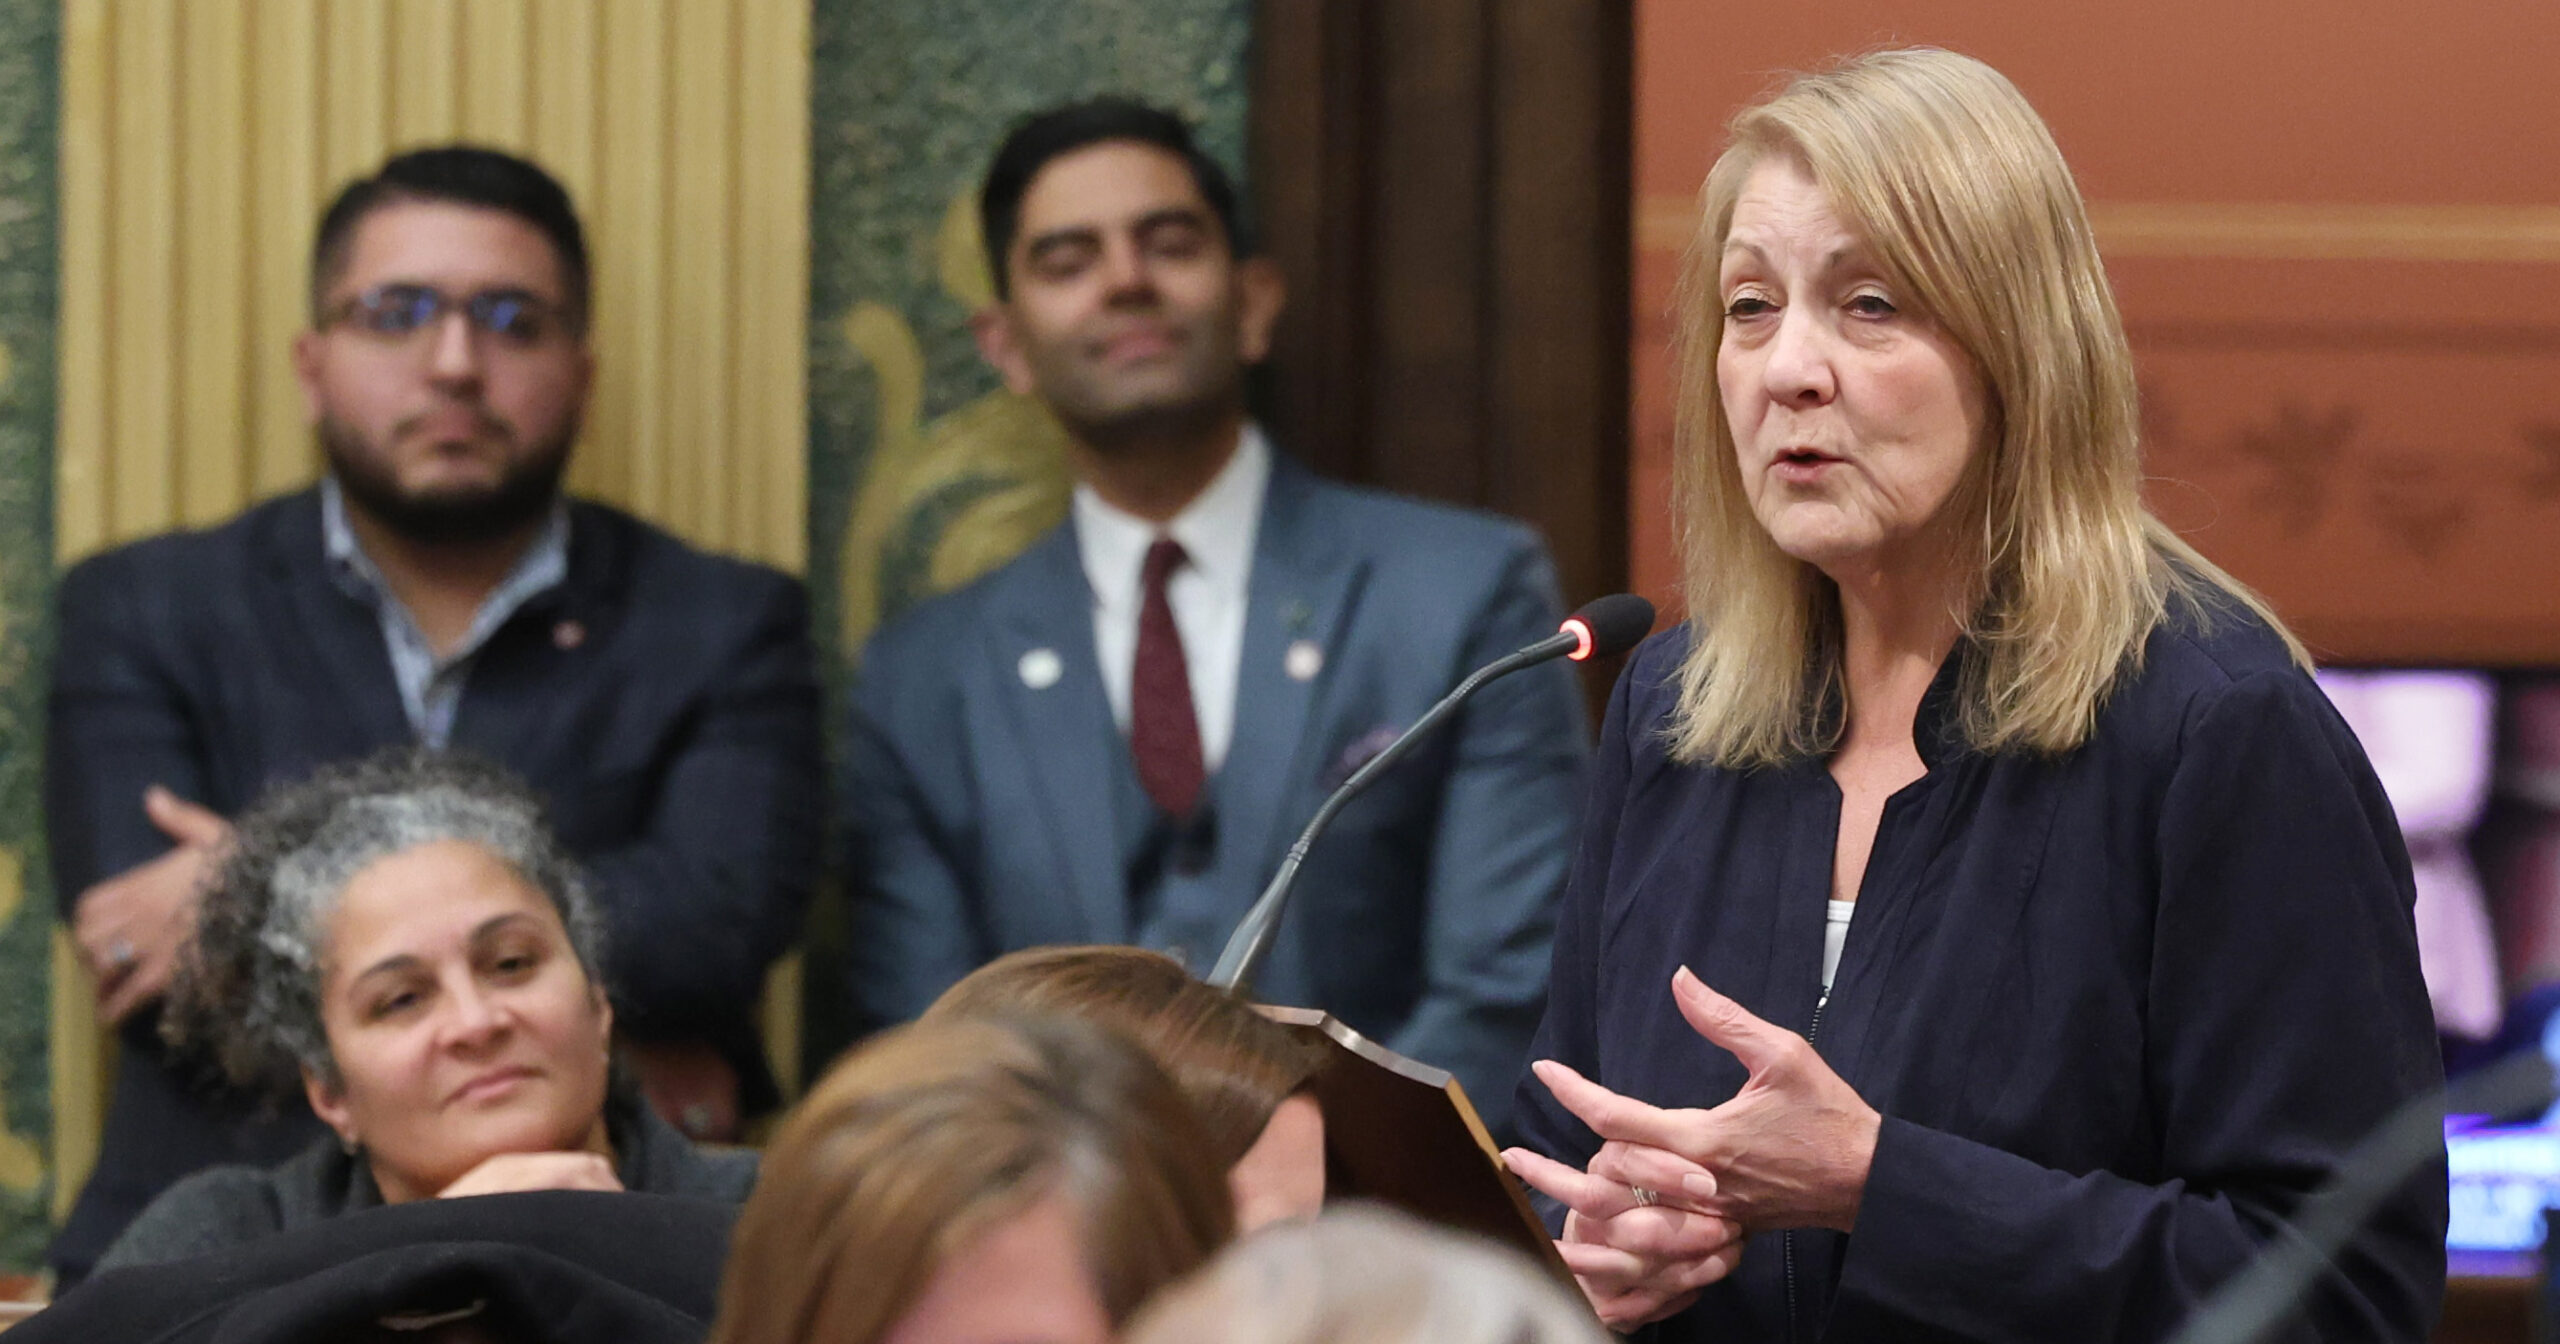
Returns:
point(2254, 1303)
point(1602, 628)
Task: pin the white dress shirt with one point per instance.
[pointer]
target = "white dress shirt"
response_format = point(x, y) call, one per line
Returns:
point(1207, 595)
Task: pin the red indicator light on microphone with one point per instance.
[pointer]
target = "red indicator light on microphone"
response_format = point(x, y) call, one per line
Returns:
point(1576, 627)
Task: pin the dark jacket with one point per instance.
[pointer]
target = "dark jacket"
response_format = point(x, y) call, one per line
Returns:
point(545, 1267)
point(222, 1207)
point(2120, 1009)
point(662, 701)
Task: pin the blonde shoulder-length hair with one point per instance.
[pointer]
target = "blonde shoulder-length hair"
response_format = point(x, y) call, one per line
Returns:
point(929, 1135)
point(1967, 207)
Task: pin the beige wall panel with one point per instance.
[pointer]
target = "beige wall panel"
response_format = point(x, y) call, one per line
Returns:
point(562, 103)
point(773, 276)
point(80, 424)
point(703, 247)
point(284, 176)
point(200, 139)
point(212, 295)
point(495, 55)
point(143, 270)
point(355, 64)
point(78, 1061)
point(426, 70)
point(635, 314)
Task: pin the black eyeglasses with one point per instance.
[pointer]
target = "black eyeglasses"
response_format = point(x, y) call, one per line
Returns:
point(396, 311)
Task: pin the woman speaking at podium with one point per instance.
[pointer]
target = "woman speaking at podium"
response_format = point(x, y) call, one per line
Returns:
point(1982, 927)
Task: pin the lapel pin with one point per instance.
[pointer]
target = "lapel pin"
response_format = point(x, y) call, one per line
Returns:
point(1304, 660)
point(1296, 614)
point(1041, 669)
point(568, 635)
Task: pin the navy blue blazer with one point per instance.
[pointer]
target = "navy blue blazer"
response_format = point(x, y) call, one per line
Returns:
point(664, 702)
point(992, 806)
point(2120, 1008)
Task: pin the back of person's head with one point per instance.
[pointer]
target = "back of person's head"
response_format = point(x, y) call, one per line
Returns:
point(1235, 1065)
point(930, 1136)
point(472, 175)
point(1367, 1276)
point(1046, 136)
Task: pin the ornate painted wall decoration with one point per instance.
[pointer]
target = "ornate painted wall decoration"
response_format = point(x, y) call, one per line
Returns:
point(29, 37)
point(923, 471)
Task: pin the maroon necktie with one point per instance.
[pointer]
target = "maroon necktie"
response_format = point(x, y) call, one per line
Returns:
point(1164, 733)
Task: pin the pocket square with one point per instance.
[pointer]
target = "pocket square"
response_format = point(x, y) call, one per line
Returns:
point(1362, 750)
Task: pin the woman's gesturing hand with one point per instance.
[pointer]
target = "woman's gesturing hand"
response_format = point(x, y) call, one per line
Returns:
point(1636, 1262)
point(1791, 1149)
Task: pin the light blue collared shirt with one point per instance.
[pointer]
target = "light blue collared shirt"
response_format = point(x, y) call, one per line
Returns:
point(431, 687)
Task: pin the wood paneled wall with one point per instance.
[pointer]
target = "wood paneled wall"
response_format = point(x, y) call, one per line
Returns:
point(2335, 240)
point(1445, 184)
point(200, 140)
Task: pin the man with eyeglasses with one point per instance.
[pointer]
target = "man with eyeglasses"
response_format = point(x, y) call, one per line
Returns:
point(436, 587)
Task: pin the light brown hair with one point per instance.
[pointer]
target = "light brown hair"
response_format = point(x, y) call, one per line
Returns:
point(1234, 1064)
point(1367, 1276)
point(1963, 198)
point(930, 1134)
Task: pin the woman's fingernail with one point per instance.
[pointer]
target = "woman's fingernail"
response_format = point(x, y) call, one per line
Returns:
point(1698, 1185)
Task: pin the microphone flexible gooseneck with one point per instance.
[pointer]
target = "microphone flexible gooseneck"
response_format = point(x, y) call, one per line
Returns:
point(1603, 627)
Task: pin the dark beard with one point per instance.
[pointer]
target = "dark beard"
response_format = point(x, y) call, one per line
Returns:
point(520, 498)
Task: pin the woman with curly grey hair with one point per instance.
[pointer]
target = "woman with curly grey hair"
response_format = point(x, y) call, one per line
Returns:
point(404, 944)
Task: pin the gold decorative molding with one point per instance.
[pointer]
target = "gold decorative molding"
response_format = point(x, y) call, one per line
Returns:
point(2278, 232)
point(2254, 231)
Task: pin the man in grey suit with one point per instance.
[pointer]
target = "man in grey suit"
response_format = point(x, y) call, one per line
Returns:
point(1115, 737)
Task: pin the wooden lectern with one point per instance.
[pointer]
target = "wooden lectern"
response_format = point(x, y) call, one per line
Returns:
point(1402, 1133)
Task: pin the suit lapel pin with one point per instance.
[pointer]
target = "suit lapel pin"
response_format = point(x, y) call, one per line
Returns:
point(568, 635)
point(1040, 669)
point(1295, 614)
point(1304, 660)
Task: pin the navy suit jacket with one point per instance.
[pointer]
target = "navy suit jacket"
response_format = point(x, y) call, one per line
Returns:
point(990, 802)
point(664, 703)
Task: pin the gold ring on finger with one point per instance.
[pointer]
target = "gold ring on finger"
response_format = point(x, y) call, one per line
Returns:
point(1644, 1198)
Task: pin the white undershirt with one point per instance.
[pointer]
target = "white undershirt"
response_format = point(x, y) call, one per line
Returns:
point(1207, 595)
point(1835, 932)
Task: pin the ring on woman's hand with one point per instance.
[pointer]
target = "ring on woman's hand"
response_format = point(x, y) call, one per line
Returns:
point(120, 954)
point(1645, 1199)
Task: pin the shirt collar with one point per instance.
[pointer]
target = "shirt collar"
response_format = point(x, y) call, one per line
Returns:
point(1938, 731)
point(1216, 528)
point(543, 565)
